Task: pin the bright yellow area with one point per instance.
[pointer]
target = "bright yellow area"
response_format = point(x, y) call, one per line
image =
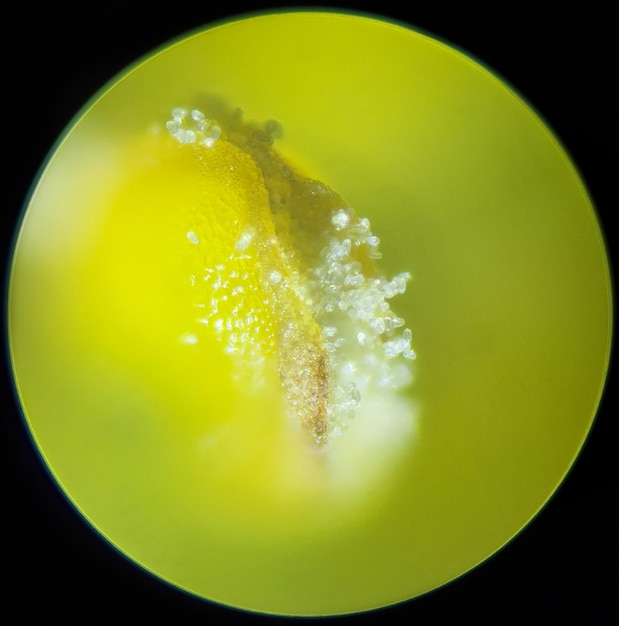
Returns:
point(510, 308)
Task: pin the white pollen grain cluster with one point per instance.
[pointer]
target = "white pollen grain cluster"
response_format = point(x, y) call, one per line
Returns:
point(329, 323)
point(361, 333)
point(193, 127)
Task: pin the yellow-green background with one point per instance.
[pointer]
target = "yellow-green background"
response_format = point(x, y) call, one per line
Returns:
point(509, 306)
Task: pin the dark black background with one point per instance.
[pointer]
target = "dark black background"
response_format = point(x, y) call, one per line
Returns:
point(562, 57)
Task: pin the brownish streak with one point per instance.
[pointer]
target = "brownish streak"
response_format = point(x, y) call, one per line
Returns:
point(304, 374)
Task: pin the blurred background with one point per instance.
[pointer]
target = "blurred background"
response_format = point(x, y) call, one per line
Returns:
point(563, 568)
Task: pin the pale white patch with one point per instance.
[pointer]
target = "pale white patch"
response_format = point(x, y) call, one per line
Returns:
point(193, 238)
